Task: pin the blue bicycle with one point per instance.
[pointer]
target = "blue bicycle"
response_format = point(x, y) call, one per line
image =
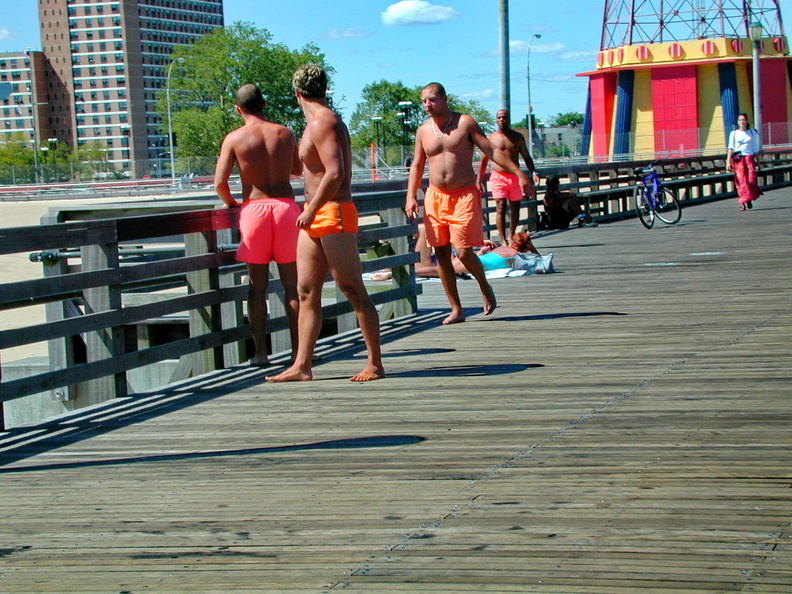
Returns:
point(653, 199)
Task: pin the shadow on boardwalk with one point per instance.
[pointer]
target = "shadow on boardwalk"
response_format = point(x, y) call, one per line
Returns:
point(620, 427)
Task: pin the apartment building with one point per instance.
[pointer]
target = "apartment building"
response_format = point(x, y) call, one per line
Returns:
point(96, 80)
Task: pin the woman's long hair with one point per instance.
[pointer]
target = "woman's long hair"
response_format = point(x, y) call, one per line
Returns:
point(521, 242)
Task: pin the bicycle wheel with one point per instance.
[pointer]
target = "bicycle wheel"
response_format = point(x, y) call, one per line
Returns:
point(668, 209)
point(645, 214)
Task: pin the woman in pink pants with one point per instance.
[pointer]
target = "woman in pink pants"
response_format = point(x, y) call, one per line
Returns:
point(742, 158)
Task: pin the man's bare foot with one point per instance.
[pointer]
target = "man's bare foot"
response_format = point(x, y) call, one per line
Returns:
point(292, 374)
point(490, 303)
point(454, 318)
point(370, 373)
point(259, 361)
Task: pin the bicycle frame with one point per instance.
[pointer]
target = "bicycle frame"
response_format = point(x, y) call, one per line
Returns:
point(649, 176)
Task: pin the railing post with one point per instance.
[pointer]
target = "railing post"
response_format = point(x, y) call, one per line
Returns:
point(231, 312)
point(61, 350)
point(203, 320)
point(107, 342)
point(280, 340)
point(403, 276)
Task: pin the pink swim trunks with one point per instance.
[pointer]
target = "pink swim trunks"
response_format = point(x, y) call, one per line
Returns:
point(269, 231)
point(505, 185)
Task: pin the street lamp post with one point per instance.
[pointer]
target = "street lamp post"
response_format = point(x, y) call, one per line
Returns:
point(755, 33)
point(44, 151)
point(53, 144)
point(406, 110)
point(170, 123)
point(376, 120)
point(401, 115)
point(529, 123)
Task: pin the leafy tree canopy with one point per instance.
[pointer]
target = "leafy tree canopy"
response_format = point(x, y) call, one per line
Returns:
point(381, 99)
point(204, 84)
point(565, 119)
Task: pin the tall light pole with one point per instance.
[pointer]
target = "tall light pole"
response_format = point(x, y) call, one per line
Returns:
point(376, 120)
point(170, 123)
point(53, 144)
point(528, 122)
point(505, 66)
point(755, 33)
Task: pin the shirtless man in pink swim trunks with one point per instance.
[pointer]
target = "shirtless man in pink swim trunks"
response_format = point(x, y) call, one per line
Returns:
point(452, 206)
point(266, 155)
point(503, 185)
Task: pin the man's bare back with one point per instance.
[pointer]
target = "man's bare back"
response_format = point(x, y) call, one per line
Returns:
point(266, 156)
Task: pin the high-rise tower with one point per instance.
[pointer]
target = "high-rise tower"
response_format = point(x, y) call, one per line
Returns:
point(671, 77)
point(105, 62)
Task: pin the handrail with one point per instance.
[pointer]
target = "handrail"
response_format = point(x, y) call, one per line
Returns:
point(94, 301)
point(607, 188)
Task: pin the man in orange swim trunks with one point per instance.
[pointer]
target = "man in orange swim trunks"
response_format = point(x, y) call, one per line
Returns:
point(266, 155)
point(329, 224)
point(452, 205)
point(503, 185)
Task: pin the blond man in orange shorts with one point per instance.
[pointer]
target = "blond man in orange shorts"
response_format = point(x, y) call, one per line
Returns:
point(266, 155)
point(452, 205)
point(329, 224)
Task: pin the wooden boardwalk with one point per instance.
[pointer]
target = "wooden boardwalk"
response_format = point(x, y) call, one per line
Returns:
point(622, 426)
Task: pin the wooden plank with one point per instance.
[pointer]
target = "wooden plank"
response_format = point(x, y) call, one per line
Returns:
point(616, 428)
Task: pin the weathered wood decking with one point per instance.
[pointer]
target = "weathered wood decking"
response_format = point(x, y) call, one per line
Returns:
point(622, 426)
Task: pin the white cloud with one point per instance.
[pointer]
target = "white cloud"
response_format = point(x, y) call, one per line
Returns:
point(353, 33)
point(5, 33)
point(416, 12)
point(481, 95)
point(520, 48)
point(587, 56)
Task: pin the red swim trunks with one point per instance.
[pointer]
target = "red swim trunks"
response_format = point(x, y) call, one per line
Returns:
point(269, 231)
point(334, 218)
point(453, 217)
point(505, 185)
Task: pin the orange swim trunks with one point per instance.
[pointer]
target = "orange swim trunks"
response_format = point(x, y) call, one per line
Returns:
point(268, 229)
point(453, 217)
point(334, 218)
point(505, 185)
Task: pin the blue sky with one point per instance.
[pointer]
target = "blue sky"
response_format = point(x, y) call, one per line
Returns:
point(455, 42)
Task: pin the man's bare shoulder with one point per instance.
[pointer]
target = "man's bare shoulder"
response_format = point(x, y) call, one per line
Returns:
point(515, 137)
point(466, 120)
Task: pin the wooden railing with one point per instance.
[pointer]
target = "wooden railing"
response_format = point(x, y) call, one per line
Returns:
point(607, 188)
point(100, 312)
point(98, 298)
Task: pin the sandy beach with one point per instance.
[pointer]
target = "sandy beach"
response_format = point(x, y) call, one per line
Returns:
point(18, 267)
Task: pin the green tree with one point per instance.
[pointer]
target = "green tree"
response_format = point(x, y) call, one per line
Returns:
point(204, 84)
point(381, 99)
point(16, 160)
point(565, 119)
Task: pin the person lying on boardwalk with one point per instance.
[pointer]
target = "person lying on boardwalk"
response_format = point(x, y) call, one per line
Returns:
point(329, 224)
point(492, 257)
point(265, 154)
point(452, 206)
